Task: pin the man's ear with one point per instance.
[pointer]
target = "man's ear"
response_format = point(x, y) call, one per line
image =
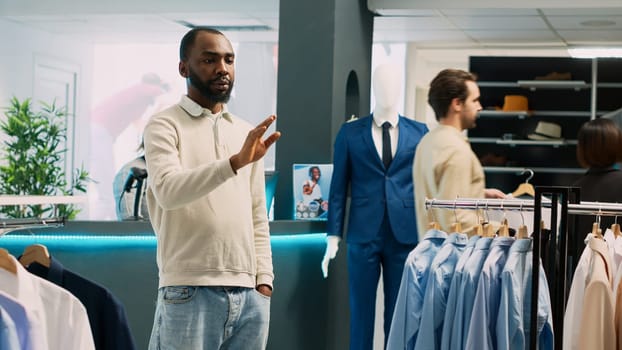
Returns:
point(183, 69)
point(456, 104)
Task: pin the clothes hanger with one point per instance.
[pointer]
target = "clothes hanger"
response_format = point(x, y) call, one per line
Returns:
point(596, 231)
point(615, 227)
point(456, 226)
point(487, 227)
point(504, 229)
point(522, 229)
point(7, 262)
point(35, 253)
point(525, 188)
point(477, 229)
point(433, 225)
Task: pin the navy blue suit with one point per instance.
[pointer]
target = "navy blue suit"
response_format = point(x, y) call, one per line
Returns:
point(381, 227)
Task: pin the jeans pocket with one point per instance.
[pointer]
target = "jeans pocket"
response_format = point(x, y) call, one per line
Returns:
point(178, 294)
point(262, 296)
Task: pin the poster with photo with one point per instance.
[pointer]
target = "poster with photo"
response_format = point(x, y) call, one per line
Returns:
point(311, 189)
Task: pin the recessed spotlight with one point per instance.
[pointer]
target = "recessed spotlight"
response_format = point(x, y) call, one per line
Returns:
point(593, 52)
point(598, 23)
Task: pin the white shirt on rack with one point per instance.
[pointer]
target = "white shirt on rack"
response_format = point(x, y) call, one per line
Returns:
point(62, 315)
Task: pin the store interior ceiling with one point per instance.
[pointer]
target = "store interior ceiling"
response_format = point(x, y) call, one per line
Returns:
point(428, 24)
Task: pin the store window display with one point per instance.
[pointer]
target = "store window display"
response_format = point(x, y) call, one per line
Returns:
point(375, 163)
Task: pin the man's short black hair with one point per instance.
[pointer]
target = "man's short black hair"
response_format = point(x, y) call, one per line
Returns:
point(188, 40)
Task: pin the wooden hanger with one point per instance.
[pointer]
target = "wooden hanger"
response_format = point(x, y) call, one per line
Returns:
point(525, 188)
point(433, 225)
point(596, 231)
point(456, 227)
point(7, 262)
point(477, 230)
point(616, 230)
point(504, 229)
point(488, 230)
point(522, 232)
point(35, 253)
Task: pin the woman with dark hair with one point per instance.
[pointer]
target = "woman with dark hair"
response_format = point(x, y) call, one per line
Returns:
point(599, 148)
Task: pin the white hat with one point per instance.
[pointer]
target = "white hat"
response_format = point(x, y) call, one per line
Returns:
point(546, 131)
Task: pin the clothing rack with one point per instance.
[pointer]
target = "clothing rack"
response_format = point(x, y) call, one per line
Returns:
point(546, 197)
point(7, 225)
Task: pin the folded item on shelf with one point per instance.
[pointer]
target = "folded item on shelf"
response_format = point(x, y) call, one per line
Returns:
point(546, 131)
point(515, 103)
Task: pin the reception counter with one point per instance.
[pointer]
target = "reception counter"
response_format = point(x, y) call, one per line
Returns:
point(307, 311)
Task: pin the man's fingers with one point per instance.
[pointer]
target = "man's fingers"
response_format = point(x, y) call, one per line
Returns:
point(267, 122)
point(272, 139)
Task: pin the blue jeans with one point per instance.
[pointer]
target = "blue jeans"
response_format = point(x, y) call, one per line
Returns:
point(210, 318)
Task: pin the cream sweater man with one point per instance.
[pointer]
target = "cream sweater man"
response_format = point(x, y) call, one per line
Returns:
point(211, 223)
point(445, 166)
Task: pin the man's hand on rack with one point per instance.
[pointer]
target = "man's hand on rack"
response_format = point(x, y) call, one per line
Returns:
point(493, 193)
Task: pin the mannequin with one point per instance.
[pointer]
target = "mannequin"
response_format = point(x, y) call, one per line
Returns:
point(381, 222)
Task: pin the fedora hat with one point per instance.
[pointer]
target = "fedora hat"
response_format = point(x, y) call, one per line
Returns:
point(546, 131)
point(513, 103)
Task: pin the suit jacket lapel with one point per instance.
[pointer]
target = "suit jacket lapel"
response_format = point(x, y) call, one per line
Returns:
point(365, 132)
point(402, 139)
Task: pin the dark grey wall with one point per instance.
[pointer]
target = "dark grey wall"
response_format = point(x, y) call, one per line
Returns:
point(321, 44)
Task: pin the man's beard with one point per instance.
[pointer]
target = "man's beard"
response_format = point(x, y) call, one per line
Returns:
point(207, 92)
point(468, 123)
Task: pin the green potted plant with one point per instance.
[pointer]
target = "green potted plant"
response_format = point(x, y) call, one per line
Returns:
point(32, 159)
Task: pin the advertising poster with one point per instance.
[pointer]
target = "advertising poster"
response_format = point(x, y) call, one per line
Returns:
point(311, 190)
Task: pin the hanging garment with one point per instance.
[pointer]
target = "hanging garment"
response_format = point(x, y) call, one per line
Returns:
point(30, 327)
point(437, 290)
point(597, 329)
point(574, 304)
point(482, 332)
point(8, 332)
point(466, 296)
point(454, 293)
point(514, 321)
point(64, 318)
point(105, 312)
point(408, 306)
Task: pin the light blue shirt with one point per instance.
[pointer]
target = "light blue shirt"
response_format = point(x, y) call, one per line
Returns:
point(454, 293)
point(407, 314)
point(18, 314)
point(483, 331)
point(468, 286)
point(513, 324)
point(8, 332)
point(437, 289)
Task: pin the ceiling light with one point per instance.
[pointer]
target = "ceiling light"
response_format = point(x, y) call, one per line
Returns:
point(594, 52)
point(598, 23)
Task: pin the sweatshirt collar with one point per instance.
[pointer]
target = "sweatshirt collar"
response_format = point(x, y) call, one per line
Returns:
point(195, 110)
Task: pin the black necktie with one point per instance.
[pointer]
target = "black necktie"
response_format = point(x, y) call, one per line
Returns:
point(386, 145)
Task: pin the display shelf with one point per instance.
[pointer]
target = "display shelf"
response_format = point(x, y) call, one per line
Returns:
point(539, 170)
point(498, 141)
point(533, 113)
point(553, 84)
